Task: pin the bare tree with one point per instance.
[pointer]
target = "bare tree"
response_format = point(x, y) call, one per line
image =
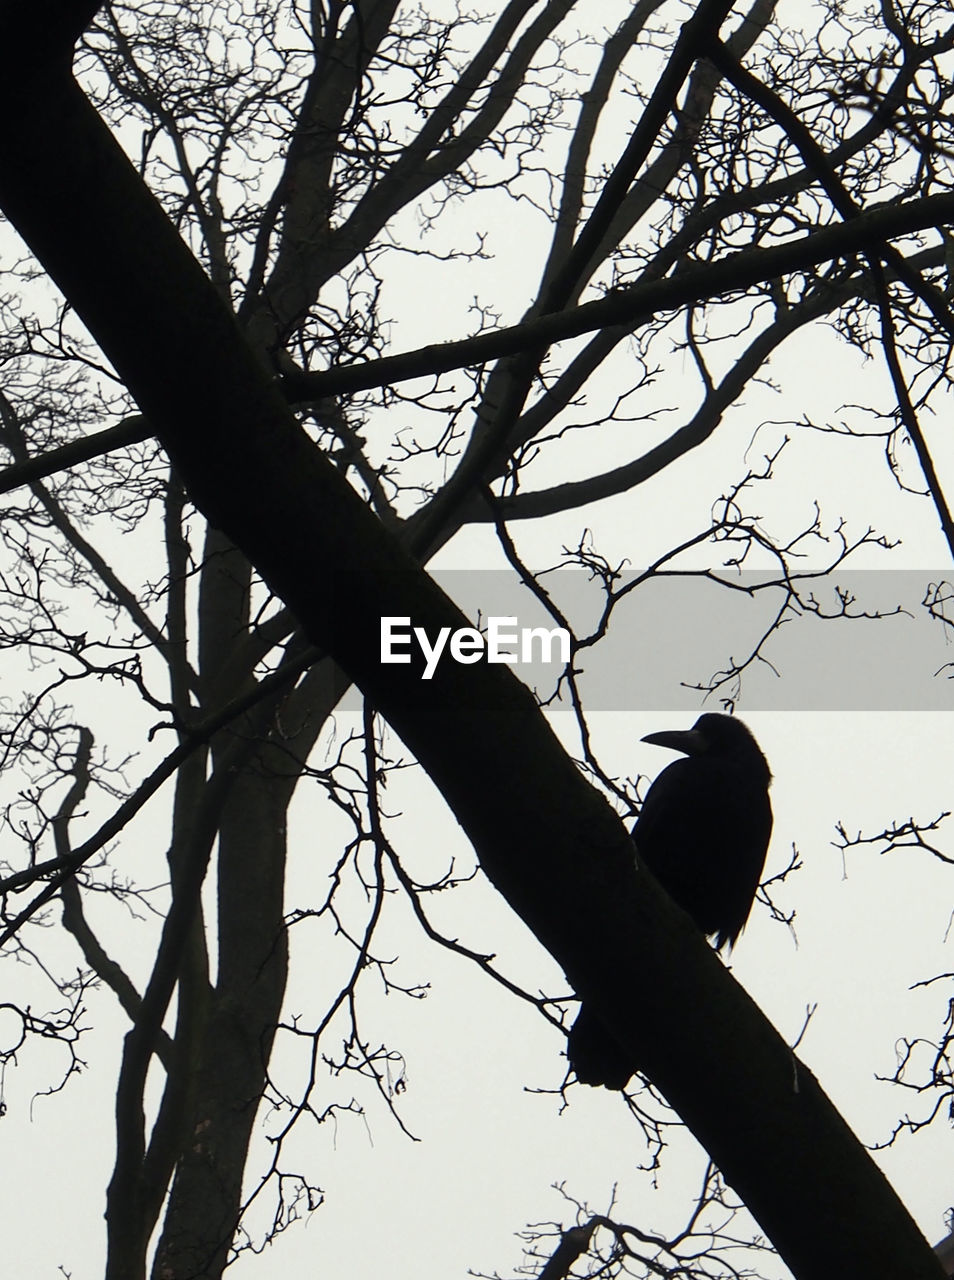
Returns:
point(712, 196)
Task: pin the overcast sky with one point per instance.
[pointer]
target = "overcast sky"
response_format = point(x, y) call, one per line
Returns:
point(848, 723)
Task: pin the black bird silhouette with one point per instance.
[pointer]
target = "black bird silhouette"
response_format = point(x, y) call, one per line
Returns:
point(703, 831)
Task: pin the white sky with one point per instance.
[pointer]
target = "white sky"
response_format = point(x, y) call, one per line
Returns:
point(489, 1150)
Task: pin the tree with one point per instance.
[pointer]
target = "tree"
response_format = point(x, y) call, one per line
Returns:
point(287, 150)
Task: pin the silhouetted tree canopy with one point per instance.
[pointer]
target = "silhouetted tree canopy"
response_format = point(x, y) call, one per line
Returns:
point(309, 294)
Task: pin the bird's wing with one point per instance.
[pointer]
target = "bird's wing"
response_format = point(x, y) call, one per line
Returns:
point(703, 831)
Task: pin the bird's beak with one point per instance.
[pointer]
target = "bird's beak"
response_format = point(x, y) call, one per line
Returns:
point(689, 741)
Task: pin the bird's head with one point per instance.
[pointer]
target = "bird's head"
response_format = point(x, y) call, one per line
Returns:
point(713, 735)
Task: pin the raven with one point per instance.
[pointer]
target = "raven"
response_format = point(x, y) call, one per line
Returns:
point(703, 832)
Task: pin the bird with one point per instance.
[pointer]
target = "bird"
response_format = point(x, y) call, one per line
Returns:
point(703, 831)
